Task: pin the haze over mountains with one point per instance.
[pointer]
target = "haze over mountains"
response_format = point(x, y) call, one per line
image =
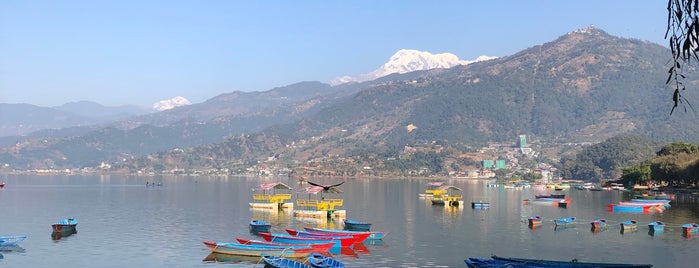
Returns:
point(585, 86)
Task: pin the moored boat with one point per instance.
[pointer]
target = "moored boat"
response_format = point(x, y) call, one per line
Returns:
point(599, 224)
point(340, 241)
point(656, 226)
point(373, 235)
point(258, 250)
point(358, 235)
point(535, 220)
point(556, 196)
point(317, 247)
point(321, 261)
point(480, 204)
point(689, 229)
point(354, 225)
point(279, 262)
point(628, 225)
point(65, 225)
point(564, 221)
point(11, 240)
point(496, 261)
point(257, 226)
point(625, 208)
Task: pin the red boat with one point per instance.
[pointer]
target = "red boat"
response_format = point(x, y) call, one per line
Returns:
point(358, 236)
point(340, 241)
point(318, 247)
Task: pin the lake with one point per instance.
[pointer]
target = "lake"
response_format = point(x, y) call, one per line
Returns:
point(123, 223)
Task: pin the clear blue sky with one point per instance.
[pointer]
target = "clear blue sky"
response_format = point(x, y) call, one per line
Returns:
point(139, 52)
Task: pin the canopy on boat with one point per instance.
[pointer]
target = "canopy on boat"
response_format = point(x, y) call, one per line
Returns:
point(274, 185)
point(448, 187)
point(435, 183)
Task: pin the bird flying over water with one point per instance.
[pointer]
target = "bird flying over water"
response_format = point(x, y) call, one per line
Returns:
point(325, 187)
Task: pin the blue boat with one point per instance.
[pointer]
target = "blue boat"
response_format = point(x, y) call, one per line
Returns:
point(279, 262)
point(321, 261)
point(11, 240)
point(482, 205)
point(496, 261)
point(65, 225)
point(599, 224)
point(631, 208)
point(564, 221)
point(354, 225)
point(257, 226)
point(656, 226)
point(689, 229)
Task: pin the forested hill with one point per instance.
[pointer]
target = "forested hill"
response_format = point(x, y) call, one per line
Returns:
point(585, 86)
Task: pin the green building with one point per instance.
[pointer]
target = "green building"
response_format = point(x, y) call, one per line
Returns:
point(487, 164)
point(500, 164)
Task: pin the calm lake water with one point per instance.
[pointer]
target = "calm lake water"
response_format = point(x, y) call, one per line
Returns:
point(123, 223)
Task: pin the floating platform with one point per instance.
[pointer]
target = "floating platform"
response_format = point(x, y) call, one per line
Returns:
point(320, 214)
point(272, 205)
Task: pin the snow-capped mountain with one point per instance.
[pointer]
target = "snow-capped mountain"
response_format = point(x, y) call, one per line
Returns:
point(171, 103)
point(408, 60)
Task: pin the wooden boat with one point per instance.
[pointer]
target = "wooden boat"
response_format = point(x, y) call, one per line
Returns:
point(64, 234)
point(339, 241)
point(628, 225)
point(359, 236)
point(480, 204)
point(11, 240)
point(258, 250)
point(354, 225)
point(599, 224)
point(279, 262)
point(564, 221)
point(257, 226)
point(535, 220)
point(625, 208)
point(689, 229)
point(556, 196)
point(496, 261)
point(321, 261)
point(318, 247)
point(374, 235)
point(656, 226)
point(65, 225)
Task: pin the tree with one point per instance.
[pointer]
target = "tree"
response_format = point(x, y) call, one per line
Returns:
point(683, 32)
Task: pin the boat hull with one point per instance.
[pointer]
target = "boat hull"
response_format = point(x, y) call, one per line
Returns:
point(11, 240)
point(496, 261)
point(353, 225)
point(279, 262)
point(322, 261)
point(258, 250)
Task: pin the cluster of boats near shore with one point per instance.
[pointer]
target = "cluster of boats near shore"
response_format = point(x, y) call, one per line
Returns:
point(61, 228)
point(309, 247)
point(639, 205)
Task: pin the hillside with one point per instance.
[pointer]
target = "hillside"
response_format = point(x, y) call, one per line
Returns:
point(583, 87)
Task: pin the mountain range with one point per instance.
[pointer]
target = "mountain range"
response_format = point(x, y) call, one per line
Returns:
point(584, 87)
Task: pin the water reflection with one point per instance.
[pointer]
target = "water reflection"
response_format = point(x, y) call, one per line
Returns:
point(227, 258)
point(13, 248)
point(63, 234)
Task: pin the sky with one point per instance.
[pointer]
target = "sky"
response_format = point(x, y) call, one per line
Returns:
point(139, 52)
